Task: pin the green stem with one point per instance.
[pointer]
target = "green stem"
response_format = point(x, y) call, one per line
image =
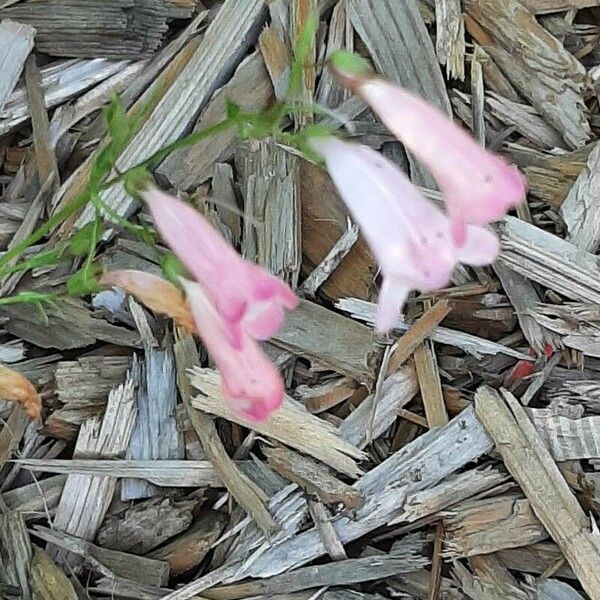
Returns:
point(159, 155)
point(42, 231)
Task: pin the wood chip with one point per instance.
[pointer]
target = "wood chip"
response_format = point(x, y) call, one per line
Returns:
point(17, 41)
point(291, 425)
point(534, 470)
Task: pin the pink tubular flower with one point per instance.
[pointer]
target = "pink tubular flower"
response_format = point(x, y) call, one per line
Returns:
point(478, 187)
point(248, 298)
point(409, 236)
point(249, 381)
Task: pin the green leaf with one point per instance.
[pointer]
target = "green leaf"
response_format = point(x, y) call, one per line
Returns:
point(117, 123)
point(232, 110)
point(135, 181)
point(348, 63)
point(81, 240)
point(172, 267)
point(85, 281)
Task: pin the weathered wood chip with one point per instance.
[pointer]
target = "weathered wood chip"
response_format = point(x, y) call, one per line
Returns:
point(16, 41)
point(291, 424)
point(550, 260)
point(535, 62)
point(581, 208)
point(312, 477)
point(85, 499)
point(486, 526)
point(330, 340)
point(530, 463)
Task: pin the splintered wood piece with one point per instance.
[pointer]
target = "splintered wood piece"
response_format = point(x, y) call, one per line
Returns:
point(300, 12)
point(15, 553)
point(291, 425)
point(145, 525)
point(12, 432)
point(376, 413)
point(16, 42)
point(270, 187)
point(530, 463)
point(45, 158)
point(452, 490)
point(342, 572)
point(60, 81)
point(471, 344)
point(276, 55)
point(69, 326)
point(227, 38)
point(34, 499)
point(188, 549)
point(116, 28)
point(540, 7)
point(450, 37)
point(83, 386)
point(402, 51)
point(489, 580)
point(324, 396)
point(537, 558)
point(550, 260)
point(324, 221)
point(223, 193)
point(522, 295)
point(490, 525)
point(155, 435)
point(250, 88)
point(340, 37)
point(430, 385)
point(249, 495)
point(312, 477)
point(581, 208)
point(108, 562)
point(330, 263)
point(418, 332)
point(48, 582)
point(537, 64)
point(331, 340)
point(322, 519)
point(566, 438)
point(85, 499)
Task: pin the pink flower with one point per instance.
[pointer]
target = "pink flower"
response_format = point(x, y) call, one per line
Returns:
point(409, 236)
point(249, 381)
point(248, 298)
point(478, 187)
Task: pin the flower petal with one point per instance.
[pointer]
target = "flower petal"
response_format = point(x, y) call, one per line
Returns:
point(233, 284)
point(154, 292)
point(392, 296)
point(14, 387)
point(478, 187)
point(250, 381)
point(409, 236)
point(481, 247)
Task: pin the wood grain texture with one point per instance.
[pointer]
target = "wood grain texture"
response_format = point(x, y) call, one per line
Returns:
point(16, 42)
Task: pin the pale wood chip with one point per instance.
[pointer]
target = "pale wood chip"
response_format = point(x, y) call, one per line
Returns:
point(291, 425)
point(533, 468)
point(16, 40)
point(581, 208)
